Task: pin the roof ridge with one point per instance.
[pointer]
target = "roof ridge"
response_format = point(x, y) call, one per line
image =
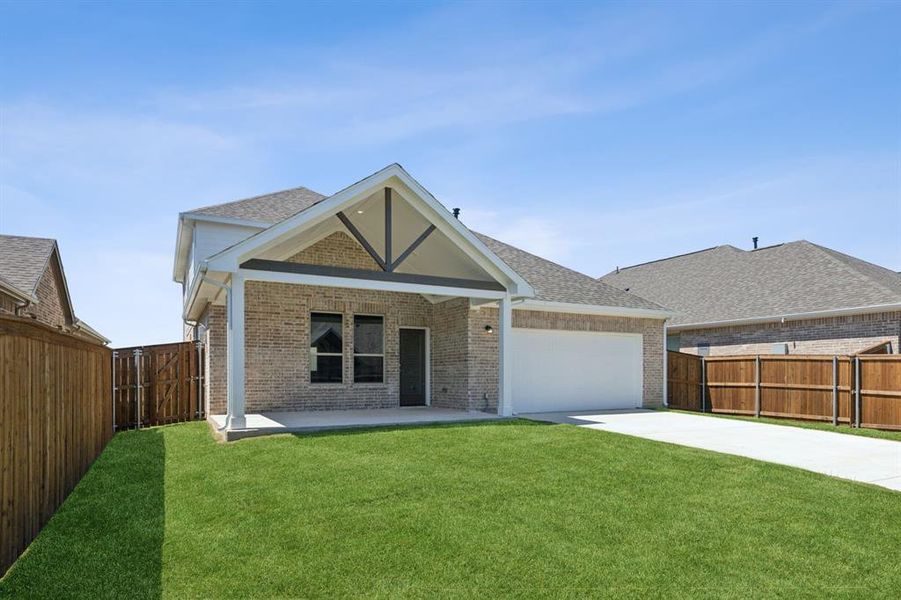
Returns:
point(28, 237)
point(830, 253)
point(257, 197)
point(650, 262)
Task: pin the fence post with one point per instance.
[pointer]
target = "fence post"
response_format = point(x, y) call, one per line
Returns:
point(703, 385)
point(757, 386)
point(115, 389)
point(139, 386)
point(835, 390)
point(200, 382)
point(857, 391)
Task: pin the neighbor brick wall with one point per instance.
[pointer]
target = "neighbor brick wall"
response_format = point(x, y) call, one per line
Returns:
point(835, 335)
point(49, 307)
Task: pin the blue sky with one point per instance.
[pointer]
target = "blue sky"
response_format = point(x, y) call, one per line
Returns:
point(597, 135)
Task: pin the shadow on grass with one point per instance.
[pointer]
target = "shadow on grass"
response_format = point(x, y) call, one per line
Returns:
point(369, 429)
point(106, 540)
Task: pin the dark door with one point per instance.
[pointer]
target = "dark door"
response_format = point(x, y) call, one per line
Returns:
point(412, 367)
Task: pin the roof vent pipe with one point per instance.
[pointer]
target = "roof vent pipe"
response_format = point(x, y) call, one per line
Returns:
point(456, 212)
point(754, 239)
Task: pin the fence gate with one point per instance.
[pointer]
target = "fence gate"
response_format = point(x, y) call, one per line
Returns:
point(156, 385)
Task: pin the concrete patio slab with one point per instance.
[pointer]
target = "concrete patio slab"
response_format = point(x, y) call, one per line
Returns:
point(269, 423)
point(857, 458)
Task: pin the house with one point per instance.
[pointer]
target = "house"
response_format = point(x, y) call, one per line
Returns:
point(792, 298)
point(378, 297)
point(33, 284)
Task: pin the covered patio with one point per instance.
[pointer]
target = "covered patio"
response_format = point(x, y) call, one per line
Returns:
point(269, 423)
point(382, 254)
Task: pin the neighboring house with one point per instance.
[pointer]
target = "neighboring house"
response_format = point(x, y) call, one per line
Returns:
point(33, 284)
point(304, 306)
point(793, 298)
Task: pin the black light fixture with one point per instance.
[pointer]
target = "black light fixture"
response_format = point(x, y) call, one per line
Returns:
point(489, 329)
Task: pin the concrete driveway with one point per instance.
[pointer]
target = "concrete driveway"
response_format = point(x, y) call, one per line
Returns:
point(841, 455)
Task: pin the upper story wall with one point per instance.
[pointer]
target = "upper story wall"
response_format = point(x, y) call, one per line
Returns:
point(211, 238)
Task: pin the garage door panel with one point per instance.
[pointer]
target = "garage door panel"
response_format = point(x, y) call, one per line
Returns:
point(574, 370)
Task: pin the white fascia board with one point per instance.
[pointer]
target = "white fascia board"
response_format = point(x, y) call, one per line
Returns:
point(366, 284)
point(590, 309)
point(446, 223)
point(193, 291)
point(819, 314)
point(224, 220)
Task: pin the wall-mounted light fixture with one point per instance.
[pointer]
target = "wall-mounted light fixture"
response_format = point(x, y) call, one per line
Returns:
point(489, 329)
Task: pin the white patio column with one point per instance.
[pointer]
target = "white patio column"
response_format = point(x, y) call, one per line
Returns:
point(505, 324)
point(235, 418)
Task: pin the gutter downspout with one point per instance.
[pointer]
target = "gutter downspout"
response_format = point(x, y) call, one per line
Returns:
point(665, 368)
point(228, 291)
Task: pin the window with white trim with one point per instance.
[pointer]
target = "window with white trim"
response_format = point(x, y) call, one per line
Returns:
point(369, 349)
point(326, 348)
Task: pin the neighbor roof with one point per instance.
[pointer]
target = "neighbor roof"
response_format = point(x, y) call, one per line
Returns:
point(551, 282)
point(268, 208)
point(726, 283)
point(23, 261)
point(556, 283)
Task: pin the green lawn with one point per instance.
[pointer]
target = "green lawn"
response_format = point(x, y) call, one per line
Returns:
point(822, 425)
point(513, 508)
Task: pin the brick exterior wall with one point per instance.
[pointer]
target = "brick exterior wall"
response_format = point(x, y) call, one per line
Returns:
point(214, 335)
point(835, 335)
point(464, 357)
point(449, 352)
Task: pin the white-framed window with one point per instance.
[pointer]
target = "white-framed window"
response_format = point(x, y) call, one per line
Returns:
point(369, 349)
point(326, 348)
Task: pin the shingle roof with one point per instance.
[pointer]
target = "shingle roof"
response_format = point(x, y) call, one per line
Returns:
point(725, 283)
point(556, 283)
point(552, 282)
point(268, 208)
point(23, 260)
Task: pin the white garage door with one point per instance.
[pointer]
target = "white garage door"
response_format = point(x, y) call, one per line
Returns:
point(575, 370)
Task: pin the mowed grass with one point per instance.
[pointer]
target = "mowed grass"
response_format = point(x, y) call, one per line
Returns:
point(485, 510)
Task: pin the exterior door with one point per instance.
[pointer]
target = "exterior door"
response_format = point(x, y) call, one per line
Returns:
point(412, 367)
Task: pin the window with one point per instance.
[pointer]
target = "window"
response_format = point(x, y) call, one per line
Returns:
point(704, 349)
point(369, 349)
point(326, 355)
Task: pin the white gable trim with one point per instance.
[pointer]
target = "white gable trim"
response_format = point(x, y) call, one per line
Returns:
point(230, 259)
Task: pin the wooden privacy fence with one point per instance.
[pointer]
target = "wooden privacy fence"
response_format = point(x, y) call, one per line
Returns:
point(861, 390)
point(157, 385)
point(55, 419)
